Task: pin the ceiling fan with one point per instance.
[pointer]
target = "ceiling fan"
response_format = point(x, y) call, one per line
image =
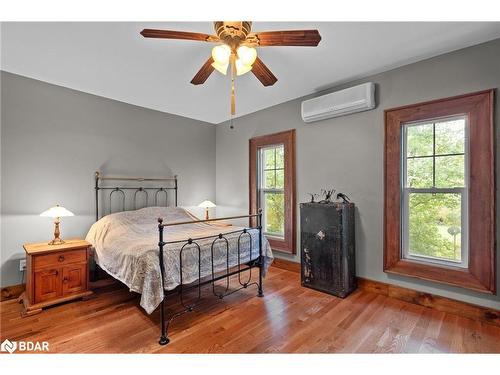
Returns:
point(236, 49)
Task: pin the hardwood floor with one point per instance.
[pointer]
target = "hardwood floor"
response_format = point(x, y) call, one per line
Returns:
point(288, 319)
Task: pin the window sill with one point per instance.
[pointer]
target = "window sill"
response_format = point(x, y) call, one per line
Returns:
point(460, 277)
point(274, 237)
point(280, 245)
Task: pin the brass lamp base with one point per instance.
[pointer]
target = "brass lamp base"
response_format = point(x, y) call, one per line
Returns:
point(57, 233)
point(56, 241)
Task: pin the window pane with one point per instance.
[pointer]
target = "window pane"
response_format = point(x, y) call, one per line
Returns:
point(269, 158)
point(269, 179)
point(450, 171)
point(274, 211)
point(280, 179)
point(450, 137)
point(434, 226)
point(419, 172)
point(419, 140)
point(280, 157)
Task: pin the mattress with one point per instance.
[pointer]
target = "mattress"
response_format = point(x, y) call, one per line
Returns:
point(126, 247)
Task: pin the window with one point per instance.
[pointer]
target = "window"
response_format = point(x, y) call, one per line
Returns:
point(272, 187)
point(434, 191)
point(271, 195)
point(439, 191)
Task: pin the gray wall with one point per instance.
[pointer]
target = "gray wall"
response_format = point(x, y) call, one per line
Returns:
point(52, 141)
point(347, 152)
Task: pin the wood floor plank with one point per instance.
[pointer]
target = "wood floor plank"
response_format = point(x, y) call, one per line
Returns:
point(288, 319)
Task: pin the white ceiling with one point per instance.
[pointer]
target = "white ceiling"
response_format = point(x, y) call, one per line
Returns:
point(112, 60)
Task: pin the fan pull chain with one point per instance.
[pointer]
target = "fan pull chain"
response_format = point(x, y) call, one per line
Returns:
point(233, 104)
point(233, 99)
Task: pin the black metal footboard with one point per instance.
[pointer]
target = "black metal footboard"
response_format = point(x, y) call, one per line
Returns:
point(221, 237)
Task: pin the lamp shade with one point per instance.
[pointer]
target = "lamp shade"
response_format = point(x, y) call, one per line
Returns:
point(221, 54)
point(242, 68)
point(206, 204)
point(221, 67)
point(57, 211)
point(247, 55)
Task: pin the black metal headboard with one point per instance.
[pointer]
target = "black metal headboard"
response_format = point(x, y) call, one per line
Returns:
point(104, 183)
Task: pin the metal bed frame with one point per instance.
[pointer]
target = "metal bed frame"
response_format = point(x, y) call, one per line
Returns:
point(140, 189)
point(189, 243)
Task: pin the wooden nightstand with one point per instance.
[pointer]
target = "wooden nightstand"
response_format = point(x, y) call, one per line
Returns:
point(55, 274)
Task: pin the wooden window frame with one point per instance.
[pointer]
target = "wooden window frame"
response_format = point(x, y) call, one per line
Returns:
point(287, 138)
point(481, 272)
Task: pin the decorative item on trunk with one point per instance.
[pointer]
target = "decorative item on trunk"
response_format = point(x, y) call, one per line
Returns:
point(313, 197)
point(328, 194)
point(344, 197)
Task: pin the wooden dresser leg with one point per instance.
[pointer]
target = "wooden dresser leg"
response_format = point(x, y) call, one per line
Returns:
point(21, 297)
point(88, 295)
point(26, 312)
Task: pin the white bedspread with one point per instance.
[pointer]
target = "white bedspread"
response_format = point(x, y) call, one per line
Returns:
point(126, 247)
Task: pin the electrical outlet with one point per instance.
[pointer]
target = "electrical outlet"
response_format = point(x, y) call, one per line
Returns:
point(22, 264)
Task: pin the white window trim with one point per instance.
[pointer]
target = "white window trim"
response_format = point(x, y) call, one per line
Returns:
point(261, 191)
point(405, 191)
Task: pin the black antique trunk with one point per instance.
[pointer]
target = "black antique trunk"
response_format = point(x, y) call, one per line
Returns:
point(327, 247)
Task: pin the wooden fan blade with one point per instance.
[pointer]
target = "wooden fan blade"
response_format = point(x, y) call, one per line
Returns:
point(305, 38)
point(263, 74)
point(204, 72)
point(171, 34)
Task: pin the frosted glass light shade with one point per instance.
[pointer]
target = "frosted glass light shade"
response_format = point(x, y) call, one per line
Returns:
point(221, 54)
point(242, 68)
point(207, 204)
point(220, 67)
point(247, 55)
point(57, 211)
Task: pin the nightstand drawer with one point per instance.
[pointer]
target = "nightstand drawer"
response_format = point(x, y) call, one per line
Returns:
point(59, 258)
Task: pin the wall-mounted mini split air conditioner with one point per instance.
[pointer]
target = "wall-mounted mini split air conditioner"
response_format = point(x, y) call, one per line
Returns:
point(340, 103)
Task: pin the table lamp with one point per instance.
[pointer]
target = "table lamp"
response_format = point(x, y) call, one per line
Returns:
point(56, 212)
point(206, 205)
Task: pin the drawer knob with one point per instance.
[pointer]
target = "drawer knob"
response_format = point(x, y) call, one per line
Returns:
point(65, 280)
point(61, 258)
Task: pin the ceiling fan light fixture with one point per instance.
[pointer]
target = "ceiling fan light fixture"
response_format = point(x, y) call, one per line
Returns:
point(221, 67)
point(242, 68)
point(221, 54)
point(247, 55)
point(236, 49)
